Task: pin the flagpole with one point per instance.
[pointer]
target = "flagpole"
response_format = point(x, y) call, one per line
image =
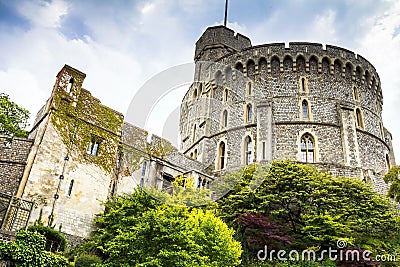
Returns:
point(226, 12)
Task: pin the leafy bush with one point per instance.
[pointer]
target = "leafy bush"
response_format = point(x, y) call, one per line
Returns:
point(86, 260)
point(55, 241)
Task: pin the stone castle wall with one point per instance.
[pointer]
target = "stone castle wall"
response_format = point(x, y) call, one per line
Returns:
point(342, 93)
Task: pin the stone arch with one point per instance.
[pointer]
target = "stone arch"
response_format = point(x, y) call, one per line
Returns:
point(228, 74)
point(358, 74)
point(326, 63)
point(313, 62)
point(262, 65)
point(337, 68)
point(275, 65)
point(348, 71)
point(248, 150)
point(287, 63)
point(251, 68)
point(218, 78)
point(300, 64)
point(239, 66)
point(367, 76)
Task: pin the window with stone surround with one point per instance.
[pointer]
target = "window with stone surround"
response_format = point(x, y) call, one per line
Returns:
point(249, 89)
point(359, 119)
point(94, 145)
point(221, 156)
point(225, 96)
point(356, 95)
point(247, 150)
point(224, 119)
point(71, 185)
point(388, 162)
point(249, 113)
point(307, 148)
point(69, 86)
point(305, 109)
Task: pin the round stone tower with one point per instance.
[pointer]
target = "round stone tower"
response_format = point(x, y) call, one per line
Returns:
point(305, 102)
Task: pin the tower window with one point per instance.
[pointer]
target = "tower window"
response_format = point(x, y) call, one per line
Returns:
point(359, 119)
point(307, 148)
point(195, 94)
point(93, 147)
point(69, 86)
point(356, 94)
point(71, 184)
point(247, 150)
point(221, 156)
point(305, 109)
point(225, 97)
point(195, 154)
point(249, 113)
point(144, 168)
point(194, 133)
point(388, 162)
point(224, 118)
point(249, 89)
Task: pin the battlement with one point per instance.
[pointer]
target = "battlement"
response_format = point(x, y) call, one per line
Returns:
point(222, 38)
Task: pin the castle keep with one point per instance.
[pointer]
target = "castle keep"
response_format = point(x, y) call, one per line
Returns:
point(247, 104)
point(304, 102)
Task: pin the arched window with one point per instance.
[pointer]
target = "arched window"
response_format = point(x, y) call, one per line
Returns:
point(195, 154)
point(247, 150)
point(249, 113)
point(303, 84)
point(224, 118)
point(194, 133)
point(356, 94)
point(218, 77)
point(195, 94)
point(251, 68)
point(69, 86)
point(239, 66)
point(359, 119)
point(307, 148)
point(221, 156)
point(275, 65)
point(305, 109)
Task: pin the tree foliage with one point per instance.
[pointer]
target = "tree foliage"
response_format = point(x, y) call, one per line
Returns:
point(314, 208)
point(13, 118)
point(393, 177)
point(28, 251)
point(137, 230)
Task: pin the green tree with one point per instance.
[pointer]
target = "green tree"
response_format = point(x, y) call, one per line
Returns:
point(28, 251)
point(393, 177)
point(314, 208)
point(137, 230)
point(13, 118)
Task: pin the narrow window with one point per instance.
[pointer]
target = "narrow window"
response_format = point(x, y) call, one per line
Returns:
point(93, 147)
point(195, 154)
point(194, 133)
point(195, 94)
point(307, 149)
point(382, 132)
point(247, 150)
point(225, 97)
point(71, 184)
point(263, 150)
point(387, 162)
point(305, 109)
point(144, 168)
point(221, 156)
point(191, 155)
point(359, 118)
point(224, 118)
point(249, 113)
point(355, 94)
point(303, 84)
point(70, 84)
point(249, 89)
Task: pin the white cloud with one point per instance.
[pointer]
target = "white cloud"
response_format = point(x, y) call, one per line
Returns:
point(43, 13)
point(382, 48)
point(323, 27)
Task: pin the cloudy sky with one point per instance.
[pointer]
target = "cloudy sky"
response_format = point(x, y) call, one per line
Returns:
point(121, 44)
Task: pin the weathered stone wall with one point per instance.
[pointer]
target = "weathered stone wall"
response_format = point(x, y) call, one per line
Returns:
point(13, 156)
point(336, 84)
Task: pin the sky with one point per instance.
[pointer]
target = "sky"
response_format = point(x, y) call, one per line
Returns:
point(121, 44)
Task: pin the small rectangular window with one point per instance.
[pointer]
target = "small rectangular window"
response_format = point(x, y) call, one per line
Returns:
point(93, 147)
point(71, 184)
point(263, 150)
